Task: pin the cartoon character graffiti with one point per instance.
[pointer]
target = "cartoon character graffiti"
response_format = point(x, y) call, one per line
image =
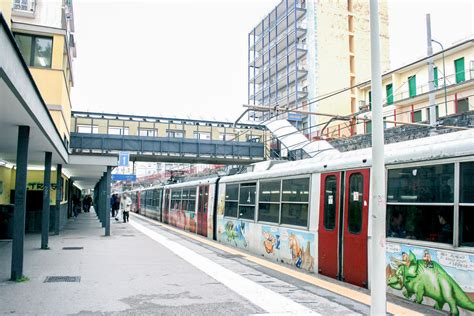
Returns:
point(271, 242)
point(424, 277)
point(301, 257)
point(235, 233)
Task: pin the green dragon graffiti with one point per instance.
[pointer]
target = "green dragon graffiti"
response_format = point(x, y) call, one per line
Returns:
point(427, 278)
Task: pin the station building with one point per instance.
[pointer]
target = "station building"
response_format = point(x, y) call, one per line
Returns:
point(303, 50)
point(36, 77)
point(406, 89)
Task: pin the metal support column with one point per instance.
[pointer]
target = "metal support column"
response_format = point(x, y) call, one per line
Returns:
point(19, 213)
point(105, 208)
point(59, 190)
point(431, 95)
point(46, 196)
point(377, 202)
point(107, 181)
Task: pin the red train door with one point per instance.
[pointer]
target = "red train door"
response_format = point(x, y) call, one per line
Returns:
point(356, 210)
point(343, 221)
point(328, 241)
point(202, 210)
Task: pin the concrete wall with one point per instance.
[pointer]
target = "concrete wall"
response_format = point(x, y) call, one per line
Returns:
point(6, 10)
point(47, 13)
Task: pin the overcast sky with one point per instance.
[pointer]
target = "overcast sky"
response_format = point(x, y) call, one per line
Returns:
point(189, 58)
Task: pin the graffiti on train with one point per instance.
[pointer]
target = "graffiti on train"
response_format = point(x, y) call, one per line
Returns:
point(440, 278)
point(183, 219)
point(233, 232)
point(290, 246)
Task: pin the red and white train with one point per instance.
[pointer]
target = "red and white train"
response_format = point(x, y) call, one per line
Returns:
point(314, 214)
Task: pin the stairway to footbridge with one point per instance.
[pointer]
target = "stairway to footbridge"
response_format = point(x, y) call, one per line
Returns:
point(163, 139)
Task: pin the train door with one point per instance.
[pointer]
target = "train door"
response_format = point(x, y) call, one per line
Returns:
point(166, 207)
point(343, 226)
point(202, 210)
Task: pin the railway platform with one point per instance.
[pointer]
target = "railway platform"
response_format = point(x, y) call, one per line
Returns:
point(146, 268)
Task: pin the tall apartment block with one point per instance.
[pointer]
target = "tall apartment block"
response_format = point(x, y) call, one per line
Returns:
point(302, 51)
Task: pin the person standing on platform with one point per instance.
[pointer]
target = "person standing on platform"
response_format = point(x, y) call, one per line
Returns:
point(126, 206)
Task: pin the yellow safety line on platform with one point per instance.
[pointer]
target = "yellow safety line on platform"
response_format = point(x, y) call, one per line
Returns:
point(336, 288)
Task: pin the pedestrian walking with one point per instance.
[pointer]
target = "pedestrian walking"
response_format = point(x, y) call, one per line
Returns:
point(126, 206)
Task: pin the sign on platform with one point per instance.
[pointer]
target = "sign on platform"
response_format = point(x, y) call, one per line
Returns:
point(124, 177)
point(124, 158)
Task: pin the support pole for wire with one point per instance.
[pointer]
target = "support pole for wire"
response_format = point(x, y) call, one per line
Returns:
point(431, 95)
point(378, 295)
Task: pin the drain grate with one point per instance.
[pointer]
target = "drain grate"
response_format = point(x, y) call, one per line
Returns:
point(128, 235)
point(56, 279)
point(73, 248)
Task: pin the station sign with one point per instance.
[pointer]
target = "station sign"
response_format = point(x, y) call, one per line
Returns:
point(124, 177)
point(124, 158)
point(295, 117)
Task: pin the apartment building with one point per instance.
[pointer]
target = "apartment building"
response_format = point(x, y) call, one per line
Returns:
point(44, 33)
point(406, 89)
point(305, 50)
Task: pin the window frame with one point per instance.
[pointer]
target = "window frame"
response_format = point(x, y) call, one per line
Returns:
point(455, 245)
point(32, 37)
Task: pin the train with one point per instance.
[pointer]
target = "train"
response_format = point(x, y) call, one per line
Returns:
point(315, 215)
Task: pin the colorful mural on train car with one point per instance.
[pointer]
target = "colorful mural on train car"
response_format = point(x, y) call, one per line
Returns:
point(294, 247)
point(290, 246)
point(441, 278)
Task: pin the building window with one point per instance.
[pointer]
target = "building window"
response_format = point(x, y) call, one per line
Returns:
point(147, 132)
point(435, 77)
point(90, 129)
point(227, 136)
point(420, 203)
point(370, 100)
point(389, 90)
point(175, 134)
point(417, 116)
point(202, 135)
point(368, 127)
point(463, 105)
point(412, 86)
point(36, 50)
point(118, 130)
point(24, 5)
point(254, 139)
point(459, 68)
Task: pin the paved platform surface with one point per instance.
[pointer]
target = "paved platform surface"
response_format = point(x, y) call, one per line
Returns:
point(145, 268)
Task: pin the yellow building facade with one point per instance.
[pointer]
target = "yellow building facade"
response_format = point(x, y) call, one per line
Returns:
point(406, 89)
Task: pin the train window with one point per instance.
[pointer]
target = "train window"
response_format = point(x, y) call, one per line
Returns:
point(330, 202)
point(269, 198)
point(294, 214)
point(467, 183)
point(295, 190)
point(269, 212)
point(466, 227)
point(232, 192)
point(427, 184)
point(176, 199)
point(421, 222)
point(269, 191)
point(247, 195)
point(231, 200)
point(356, 192)
point(231, 209)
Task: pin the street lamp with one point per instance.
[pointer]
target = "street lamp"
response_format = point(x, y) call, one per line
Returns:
point(444, 76)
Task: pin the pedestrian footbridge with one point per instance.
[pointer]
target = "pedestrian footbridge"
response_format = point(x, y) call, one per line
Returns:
point(164, 139)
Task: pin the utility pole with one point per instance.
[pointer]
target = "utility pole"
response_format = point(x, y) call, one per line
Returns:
point(378, 289)
point(431, 95)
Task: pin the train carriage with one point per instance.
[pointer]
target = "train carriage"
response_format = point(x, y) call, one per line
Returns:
point(314, 214)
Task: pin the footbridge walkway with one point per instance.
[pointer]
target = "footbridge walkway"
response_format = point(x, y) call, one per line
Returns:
point(149, 138)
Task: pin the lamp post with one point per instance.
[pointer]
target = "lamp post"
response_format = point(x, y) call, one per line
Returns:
point(444, 76)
